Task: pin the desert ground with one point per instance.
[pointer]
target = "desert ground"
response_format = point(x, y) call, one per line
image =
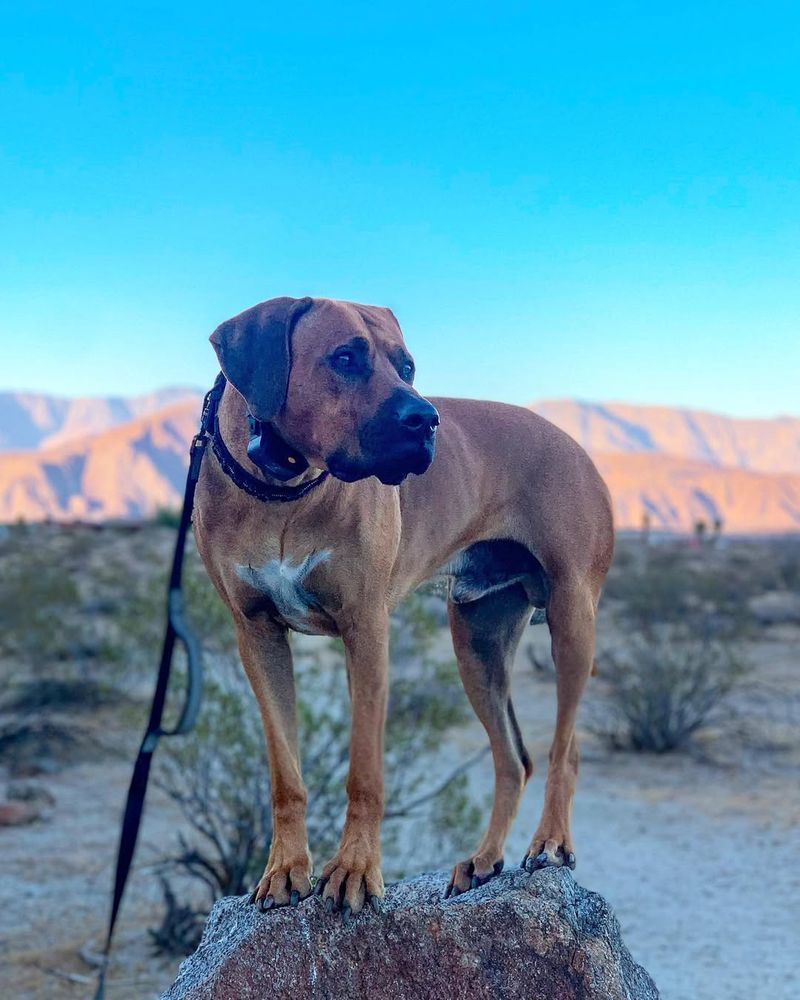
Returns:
point(697, 849)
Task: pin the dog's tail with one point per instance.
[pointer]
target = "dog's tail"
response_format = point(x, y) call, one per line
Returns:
point(524, 756)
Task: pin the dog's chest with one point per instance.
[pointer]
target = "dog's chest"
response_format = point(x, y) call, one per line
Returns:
point(285, 584)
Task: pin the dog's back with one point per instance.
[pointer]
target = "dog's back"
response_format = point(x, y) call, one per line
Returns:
point(502, 471)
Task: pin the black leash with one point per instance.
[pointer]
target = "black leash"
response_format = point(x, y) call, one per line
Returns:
point(177, 630)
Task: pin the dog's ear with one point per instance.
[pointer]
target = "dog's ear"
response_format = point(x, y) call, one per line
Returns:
point(254, 352)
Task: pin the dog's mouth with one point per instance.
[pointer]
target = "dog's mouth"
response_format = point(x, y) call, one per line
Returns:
point(391, 469)
point(398, 441)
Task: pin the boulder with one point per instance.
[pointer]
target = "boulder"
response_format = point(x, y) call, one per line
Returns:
point(17, 813)
point(776, 607)
point(537, 937)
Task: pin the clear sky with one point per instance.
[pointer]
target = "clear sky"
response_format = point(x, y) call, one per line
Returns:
point(598, 200)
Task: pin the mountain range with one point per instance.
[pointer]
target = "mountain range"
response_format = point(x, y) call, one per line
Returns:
point(95, 458)
point(36, 420)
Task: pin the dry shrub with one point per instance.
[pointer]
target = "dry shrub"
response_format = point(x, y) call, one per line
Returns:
point(662, 689)
point(680, 623)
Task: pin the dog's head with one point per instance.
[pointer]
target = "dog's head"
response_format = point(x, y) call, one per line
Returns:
point(335, 379)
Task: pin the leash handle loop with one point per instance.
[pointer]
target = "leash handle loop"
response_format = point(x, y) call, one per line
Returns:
point(194, 667)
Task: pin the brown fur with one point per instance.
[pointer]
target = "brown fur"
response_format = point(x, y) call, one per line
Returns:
point(500, 472)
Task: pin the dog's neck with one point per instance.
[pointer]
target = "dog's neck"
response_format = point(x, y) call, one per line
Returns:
point(258, 447)
point(272, 454)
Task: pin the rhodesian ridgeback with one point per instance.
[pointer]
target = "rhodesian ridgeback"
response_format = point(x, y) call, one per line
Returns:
point(386, 488)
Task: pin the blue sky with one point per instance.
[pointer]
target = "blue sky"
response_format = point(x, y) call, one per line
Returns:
point(592, 200)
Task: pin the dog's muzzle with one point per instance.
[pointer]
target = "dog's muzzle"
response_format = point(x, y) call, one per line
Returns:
point(399, 440)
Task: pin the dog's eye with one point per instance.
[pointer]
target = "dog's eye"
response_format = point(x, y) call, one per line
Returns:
point(344, 361)
point(407, 372)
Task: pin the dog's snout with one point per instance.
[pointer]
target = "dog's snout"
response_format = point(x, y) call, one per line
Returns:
point(417, 417)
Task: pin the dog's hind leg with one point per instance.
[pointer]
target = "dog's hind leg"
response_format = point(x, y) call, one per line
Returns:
point(486, 633)
point(267, 660)
point(571, 615)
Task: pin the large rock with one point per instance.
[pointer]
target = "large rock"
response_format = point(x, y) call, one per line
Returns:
point(776, 607)
point(537, 937)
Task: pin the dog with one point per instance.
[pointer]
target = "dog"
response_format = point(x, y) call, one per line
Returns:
point(386, 488)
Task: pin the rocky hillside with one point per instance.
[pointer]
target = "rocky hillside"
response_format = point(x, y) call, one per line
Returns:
point(126, 472)
point(679, 466)
point(676, 493)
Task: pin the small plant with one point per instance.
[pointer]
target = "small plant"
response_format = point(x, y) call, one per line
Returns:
point(80, 694)
point(665, 587)
point(39, 605)
point(662, 690)
point(678, 654)
point(167, 517)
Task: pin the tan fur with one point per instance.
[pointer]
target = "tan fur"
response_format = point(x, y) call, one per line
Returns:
point(500, 472)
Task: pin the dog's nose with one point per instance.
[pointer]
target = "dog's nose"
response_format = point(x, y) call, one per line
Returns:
point(418, 417)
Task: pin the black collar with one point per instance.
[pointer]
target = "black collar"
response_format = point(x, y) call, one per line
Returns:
point(245, 480)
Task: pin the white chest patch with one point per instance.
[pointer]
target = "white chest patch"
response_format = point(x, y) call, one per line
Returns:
point(284, 584)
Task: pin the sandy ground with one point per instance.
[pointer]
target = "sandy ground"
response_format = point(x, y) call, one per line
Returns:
point(698, 853)
point(698, 857)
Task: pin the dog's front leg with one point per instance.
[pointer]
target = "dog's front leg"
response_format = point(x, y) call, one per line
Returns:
point(353, 876)
point(267, 660)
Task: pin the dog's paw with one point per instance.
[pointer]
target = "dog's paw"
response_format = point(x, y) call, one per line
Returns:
point(348, 885)
point(471, 874)
point(549, 852)
point(282, 885)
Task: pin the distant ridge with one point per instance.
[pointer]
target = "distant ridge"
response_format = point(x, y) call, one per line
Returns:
point(38, 420)
point(769, 445)
point(675, 494)
point(126, 472)
point(118, 458)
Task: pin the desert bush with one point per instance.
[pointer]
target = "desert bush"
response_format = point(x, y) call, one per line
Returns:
point(669, 586)
point(219, 776)
point(36, 742)
point(45, 651)
point(39, 603)
point(80, 694)
point(678, 653)
point(662, 688)
point(167, 517)
point(788, 564)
